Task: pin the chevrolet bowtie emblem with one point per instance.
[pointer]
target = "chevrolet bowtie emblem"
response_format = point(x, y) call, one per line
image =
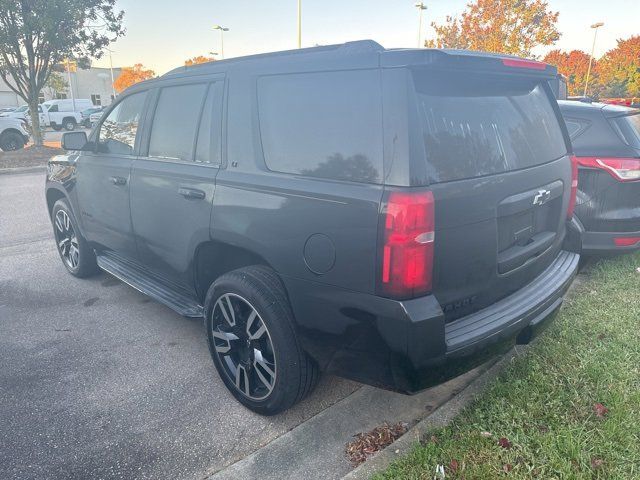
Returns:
point(541, 197)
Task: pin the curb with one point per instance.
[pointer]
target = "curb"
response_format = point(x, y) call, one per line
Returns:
point(9, 171)
point(441, 417)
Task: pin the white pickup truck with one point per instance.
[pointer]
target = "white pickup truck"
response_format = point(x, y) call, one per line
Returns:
point(59, 114)
point(13, 134)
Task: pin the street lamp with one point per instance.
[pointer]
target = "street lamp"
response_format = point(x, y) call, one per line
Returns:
point(421, 7)
point(113, 89)
point(299, 23)
point(595, 27)
point(222, 30)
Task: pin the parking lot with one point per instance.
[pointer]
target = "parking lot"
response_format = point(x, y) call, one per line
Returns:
point(98, 381)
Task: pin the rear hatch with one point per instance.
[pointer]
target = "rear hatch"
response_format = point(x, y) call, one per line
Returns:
point(496, 160)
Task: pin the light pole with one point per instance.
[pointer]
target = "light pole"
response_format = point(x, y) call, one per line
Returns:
point(595, 27)
point(299, 23)
point(113, 89)
point(222, 30)
point(421, 7)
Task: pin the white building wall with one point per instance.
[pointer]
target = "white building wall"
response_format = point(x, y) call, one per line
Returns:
point(93, 81)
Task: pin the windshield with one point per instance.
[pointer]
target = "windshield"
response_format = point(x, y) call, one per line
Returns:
point(21, 109)
point(628, 127)
point(479, 125)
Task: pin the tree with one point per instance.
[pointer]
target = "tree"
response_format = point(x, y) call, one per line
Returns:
point(132, 75)
point(56, 84)
point(619, 69)
point(504, 26)
point(573, 65)
point(197, 60)
point(37, 34)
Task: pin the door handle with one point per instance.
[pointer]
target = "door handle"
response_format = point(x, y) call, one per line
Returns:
point(192, 193)
point(118, 180)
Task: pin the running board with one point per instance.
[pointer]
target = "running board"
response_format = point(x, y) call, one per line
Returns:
point(142, 281)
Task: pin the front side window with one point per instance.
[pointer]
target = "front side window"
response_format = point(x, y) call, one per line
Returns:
point(175, 122)
point(326, 124)
point(118, 131)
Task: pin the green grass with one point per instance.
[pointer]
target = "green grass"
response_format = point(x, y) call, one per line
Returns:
point(543, 403)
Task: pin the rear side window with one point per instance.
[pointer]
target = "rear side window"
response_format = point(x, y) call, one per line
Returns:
point(325, 124)
point(173, 132)
point(576, 126)
point(210, 130)
point(480, 125)
point(628, 128)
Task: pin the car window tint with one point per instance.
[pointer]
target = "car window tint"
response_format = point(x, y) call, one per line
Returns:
point(476, 125)
point(573, 126)
point(323, 124)
point(118, 131)
point(175, 121)
point(628, 128)
point(209, 133)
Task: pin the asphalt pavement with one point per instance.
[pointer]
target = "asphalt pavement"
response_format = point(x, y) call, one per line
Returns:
point(98, 381)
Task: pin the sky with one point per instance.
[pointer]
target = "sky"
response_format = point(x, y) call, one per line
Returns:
point(162, 34)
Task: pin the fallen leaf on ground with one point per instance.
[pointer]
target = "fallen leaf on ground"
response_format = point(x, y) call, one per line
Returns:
point(453, 465)
point(366, 444)
point(596, 462)
point(507, 467)
point(600, 410)
point(504, 443)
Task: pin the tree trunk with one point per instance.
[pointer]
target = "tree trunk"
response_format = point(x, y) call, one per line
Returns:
point(36, 133)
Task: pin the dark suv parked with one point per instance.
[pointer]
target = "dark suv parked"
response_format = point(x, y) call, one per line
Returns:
point(606, 142)
point(392, 216)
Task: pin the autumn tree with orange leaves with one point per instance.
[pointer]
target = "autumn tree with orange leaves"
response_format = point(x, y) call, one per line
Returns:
point(504, 26)
point(619, 69)
point(198, 60)
point(573, 65)
point(132, 75)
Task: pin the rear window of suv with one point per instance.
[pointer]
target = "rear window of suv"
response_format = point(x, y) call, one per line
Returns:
point(477, 125)
point(628, 128)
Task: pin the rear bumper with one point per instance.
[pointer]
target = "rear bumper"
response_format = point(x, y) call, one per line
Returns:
point(407, 346)
point(604, 243)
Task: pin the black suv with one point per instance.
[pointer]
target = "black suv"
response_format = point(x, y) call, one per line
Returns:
point(392, 216)
point(606, 142)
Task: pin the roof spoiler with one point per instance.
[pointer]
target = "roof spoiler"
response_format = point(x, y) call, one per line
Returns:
point(468, 60)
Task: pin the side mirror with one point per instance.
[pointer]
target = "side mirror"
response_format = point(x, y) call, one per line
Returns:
point(74, 140)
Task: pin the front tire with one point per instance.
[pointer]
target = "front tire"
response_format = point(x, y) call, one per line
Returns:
point(252, 341)
point(69, 124)
point(77, 256)
point(10, 141)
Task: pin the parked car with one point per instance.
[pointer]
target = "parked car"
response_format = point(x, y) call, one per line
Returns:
point(95, 117)
point(19, 113)
point(606, 141)
point(66, 113)
point(392, 216)
point(13, 134)
point(86, 116)
point(7, 110)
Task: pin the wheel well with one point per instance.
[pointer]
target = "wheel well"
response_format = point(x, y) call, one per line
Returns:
point(213, 259)
point(53, 196)
point(69, 118)
point(10, 130)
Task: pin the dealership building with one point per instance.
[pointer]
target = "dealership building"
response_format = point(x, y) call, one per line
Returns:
point(93, 83)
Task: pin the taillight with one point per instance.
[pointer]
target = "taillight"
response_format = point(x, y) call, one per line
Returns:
point(406, 244)
point(622, 169)
point(626, 241)
point(574, 187)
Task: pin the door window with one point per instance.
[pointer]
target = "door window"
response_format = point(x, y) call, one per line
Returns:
point(209, 132)
point(175, 122)
point(118, 132)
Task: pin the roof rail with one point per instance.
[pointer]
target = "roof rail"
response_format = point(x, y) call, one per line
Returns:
point(358, 46)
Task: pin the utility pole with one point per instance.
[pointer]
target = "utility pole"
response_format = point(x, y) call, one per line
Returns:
point(73, 99)
point(595, 27)
point(299, 23)
point(222, 30)
point(113, 89)
point(421, 7)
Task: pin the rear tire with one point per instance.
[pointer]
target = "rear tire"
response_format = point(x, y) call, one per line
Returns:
point(69, 124)
point(77, 256)
point(56, 127)
point(257, 355)
point(10, 141)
